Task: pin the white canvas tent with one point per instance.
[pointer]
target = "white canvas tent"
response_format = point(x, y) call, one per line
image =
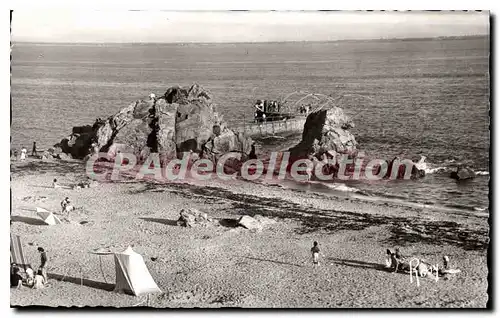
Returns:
point(132, 275)
point(47, 217)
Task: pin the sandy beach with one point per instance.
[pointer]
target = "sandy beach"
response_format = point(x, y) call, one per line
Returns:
point(227, 266)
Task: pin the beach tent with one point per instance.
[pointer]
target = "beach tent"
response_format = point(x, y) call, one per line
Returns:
point(47, 217)
point(132, 275)
point(16, 250)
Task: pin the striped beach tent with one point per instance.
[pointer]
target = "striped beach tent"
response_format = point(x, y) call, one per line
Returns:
point(16, 250)
point(47, 217)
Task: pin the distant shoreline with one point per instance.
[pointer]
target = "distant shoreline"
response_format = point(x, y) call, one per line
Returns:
point(461, 37)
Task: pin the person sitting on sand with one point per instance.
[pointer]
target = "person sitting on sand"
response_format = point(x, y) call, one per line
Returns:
point(399, 255)
point(389, 260)
point(315, 253)
point(16, 280)
point(30, 276)
point(39, 281)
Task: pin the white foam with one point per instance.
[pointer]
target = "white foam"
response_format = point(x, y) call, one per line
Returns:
point(434, 170)
point(482, 173)
point(480, 209)
point(337, 186)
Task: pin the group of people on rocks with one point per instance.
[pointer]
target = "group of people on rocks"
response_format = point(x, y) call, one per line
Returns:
point(30, 279)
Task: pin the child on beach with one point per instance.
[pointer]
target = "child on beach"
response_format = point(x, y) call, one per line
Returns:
point(315, 253)
point(55, 184)
point(24, 152)
point(30, 276)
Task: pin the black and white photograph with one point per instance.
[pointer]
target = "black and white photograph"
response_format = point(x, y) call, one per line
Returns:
point(250, 159)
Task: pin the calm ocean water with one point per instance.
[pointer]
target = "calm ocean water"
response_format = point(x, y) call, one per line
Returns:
point(421, 97)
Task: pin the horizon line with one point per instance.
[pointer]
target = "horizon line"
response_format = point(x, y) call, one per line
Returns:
point(270, 42)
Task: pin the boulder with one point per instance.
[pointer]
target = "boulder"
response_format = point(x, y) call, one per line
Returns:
point(63, 156)
point(463, 173)
point(416, 173)
point(192, 217)
point(324, 131)
point(250, 223)
point(182, 120)
point(47, 156)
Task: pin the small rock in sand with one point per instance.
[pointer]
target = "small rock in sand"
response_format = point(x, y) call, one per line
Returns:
point(192, 217)
point(250, 223)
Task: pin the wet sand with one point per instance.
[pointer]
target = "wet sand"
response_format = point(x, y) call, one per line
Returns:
point(223, 265)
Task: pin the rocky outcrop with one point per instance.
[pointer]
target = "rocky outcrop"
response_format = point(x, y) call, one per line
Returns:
point(182, 120)
point(325, 130)
point(415, 173)
point(463, 173)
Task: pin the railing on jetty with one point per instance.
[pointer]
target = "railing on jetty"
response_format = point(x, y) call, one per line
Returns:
point(269, 128)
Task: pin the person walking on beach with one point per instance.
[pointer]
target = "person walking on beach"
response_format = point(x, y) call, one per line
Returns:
point(33, 151)
point(24, 152)
point(315, 253)
point(43, 263)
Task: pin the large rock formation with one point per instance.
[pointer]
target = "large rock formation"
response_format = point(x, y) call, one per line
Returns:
point(182, 120)
point(324, 131)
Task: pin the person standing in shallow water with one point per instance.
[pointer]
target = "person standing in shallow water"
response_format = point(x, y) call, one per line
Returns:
point(315, 253)
point(33, 151)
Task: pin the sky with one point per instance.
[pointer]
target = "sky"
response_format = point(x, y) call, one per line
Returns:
point(252, 26)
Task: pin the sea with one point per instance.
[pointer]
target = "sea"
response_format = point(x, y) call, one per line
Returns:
point(419, 97)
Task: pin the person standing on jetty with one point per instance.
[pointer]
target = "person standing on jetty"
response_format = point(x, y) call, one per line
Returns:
point(315, 253)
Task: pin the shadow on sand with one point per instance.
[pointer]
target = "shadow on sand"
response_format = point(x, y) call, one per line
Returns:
point(27, 220)
point(161, 221)
point(232, 223)
point(361, 264)
point(84, 282)
point(272, 261)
